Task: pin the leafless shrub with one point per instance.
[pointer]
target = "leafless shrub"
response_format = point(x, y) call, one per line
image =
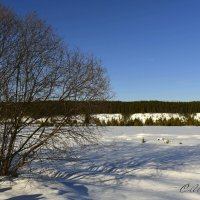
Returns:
point(36, 66)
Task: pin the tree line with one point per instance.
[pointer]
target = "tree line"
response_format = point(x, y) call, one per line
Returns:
point(146, 107)
point(58, 108)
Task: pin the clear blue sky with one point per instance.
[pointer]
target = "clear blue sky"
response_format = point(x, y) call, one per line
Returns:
point(151, 48)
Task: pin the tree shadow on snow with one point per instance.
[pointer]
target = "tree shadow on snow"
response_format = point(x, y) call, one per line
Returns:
point(123, 158)
point(5, 189)
point(27, 197)
point(74, 191)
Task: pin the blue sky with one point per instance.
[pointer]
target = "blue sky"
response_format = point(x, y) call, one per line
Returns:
point(150, 48)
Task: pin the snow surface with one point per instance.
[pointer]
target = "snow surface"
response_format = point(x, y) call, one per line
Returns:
point(122, 167)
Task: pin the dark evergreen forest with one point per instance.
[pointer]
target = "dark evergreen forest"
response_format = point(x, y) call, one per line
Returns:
point(56, 108)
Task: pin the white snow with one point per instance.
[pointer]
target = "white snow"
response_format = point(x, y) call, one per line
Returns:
point(121, 167)
point(144, 116)
point(156, 116)
point(197, 116)
point(108, 117)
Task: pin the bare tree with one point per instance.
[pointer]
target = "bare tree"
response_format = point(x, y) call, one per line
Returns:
point(36, 66)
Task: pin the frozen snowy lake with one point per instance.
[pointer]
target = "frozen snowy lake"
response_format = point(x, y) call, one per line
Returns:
point(122, 167)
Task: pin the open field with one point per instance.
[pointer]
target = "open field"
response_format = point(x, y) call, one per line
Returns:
point(122, 167)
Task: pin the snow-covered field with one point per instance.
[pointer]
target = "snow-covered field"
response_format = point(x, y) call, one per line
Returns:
point(122, 167)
